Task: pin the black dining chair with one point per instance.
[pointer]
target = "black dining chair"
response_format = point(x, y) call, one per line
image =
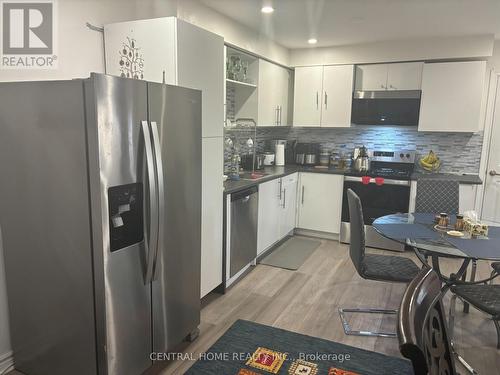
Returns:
point(485, 298)
point(372, 266)
point(422, 327)
point(496, 269)
point(437, 196)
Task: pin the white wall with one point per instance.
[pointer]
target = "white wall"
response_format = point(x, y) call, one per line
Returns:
point(80, 49)
point(234, 33)
point(401, 50)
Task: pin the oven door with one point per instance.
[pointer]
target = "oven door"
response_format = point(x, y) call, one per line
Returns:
point(393, 196)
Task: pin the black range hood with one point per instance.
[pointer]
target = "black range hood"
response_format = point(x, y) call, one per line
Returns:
point(386, 107)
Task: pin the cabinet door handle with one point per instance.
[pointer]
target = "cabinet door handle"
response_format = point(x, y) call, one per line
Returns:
point(326, 100)
point(317, 100)
point(303, 194)
point(281, 187)
point(277, 114)
point(284, 198)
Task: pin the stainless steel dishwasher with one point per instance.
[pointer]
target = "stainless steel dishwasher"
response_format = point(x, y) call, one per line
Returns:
point(244, 216)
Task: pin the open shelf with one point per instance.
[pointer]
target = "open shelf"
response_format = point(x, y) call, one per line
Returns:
point(240, 84)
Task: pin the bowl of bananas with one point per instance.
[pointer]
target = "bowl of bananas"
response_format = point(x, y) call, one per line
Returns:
point(430, 162)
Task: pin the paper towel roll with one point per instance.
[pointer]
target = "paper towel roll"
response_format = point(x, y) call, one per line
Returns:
point(279, 151)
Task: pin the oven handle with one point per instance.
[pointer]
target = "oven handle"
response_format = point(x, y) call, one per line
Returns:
point(386, 181)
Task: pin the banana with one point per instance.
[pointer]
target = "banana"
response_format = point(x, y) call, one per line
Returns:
point(430, 162)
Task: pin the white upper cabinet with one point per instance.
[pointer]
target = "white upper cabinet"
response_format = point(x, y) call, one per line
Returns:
point(451, 96)
point(203, 74)
point(397, 76)
point(273, 94)
point(337, 95)
point(307, 96)
point(371, 77)
point(404, 76)
point(323, 96)
point(168, 50)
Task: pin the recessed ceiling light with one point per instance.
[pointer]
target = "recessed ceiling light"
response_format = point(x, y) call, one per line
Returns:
point(267, 9)
point(312, 41)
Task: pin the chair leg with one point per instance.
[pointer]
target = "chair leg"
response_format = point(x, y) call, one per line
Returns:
point(451, 318)
point(497, 326)
point(493, 273)
point(464, 363)
point(472, 279)
point(451, 327)
point(349, 331)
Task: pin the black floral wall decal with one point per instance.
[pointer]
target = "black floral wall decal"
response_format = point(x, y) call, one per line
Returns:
point(131, 61)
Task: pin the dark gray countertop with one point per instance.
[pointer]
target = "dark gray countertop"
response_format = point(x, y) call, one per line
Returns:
point(472, 179)
point(272, 173)
point(277, 172)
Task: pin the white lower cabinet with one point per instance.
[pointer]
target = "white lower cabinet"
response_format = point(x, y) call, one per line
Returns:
point(212, 214)
point(277, 210)
point(467, 197)
point(268, 229)
point(288, 204)
point(320, 202)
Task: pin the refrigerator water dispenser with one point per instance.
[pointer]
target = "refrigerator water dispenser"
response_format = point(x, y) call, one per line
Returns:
point(126, 222)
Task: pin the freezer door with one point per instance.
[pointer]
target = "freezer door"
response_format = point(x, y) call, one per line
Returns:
point(45, 224)
point(125, 214)
point(176, 113)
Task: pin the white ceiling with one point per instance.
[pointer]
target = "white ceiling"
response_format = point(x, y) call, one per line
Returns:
point(342, 22)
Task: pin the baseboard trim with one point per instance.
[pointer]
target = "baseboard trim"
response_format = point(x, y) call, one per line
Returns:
point(6, 361)
point(317, 234)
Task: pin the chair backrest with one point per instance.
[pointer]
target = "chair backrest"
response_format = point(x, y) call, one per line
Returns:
point(422, 326)
point(357, 229)
point(437, 196)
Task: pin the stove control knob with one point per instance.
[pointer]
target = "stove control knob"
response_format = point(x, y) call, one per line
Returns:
point(408, 156)
point(401, 156)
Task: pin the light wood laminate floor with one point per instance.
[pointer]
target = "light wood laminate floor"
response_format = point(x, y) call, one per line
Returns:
point(306, 301)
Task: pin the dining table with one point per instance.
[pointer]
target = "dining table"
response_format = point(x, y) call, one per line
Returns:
point(419, 232)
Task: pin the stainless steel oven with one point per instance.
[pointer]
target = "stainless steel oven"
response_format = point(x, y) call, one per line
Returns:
point(389, 197)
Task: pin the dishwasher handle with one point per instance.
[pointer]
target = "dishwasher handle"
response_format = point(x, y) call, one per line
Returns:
point(244, 195)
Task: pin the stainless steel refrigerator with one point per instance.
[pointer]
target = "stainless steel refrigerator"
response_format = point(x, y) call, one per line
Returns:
point(100, 212)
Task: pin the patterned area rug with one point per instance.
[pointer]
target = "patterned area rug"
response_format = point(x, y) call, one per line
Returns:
point(250, 348)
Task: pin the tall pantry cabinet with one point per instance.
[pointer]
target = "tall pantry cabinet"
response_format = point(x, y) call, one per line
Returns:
point(175, 52)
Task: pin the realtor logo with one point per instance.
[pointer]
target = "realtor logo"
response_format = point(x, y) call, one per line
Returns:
point(28, 34)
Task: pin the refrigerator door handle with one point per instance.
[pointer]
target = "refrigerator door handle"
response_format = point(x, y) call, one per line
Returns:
point(161, 193)
point(151, 238)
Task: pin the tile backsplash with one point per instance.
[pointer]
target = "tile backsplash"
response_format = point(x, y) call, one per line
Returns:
point(459, 152)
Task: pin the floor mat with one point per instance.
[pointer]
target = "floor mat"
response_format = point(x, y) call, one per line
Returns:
point(251, 348)
point(292, 253)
